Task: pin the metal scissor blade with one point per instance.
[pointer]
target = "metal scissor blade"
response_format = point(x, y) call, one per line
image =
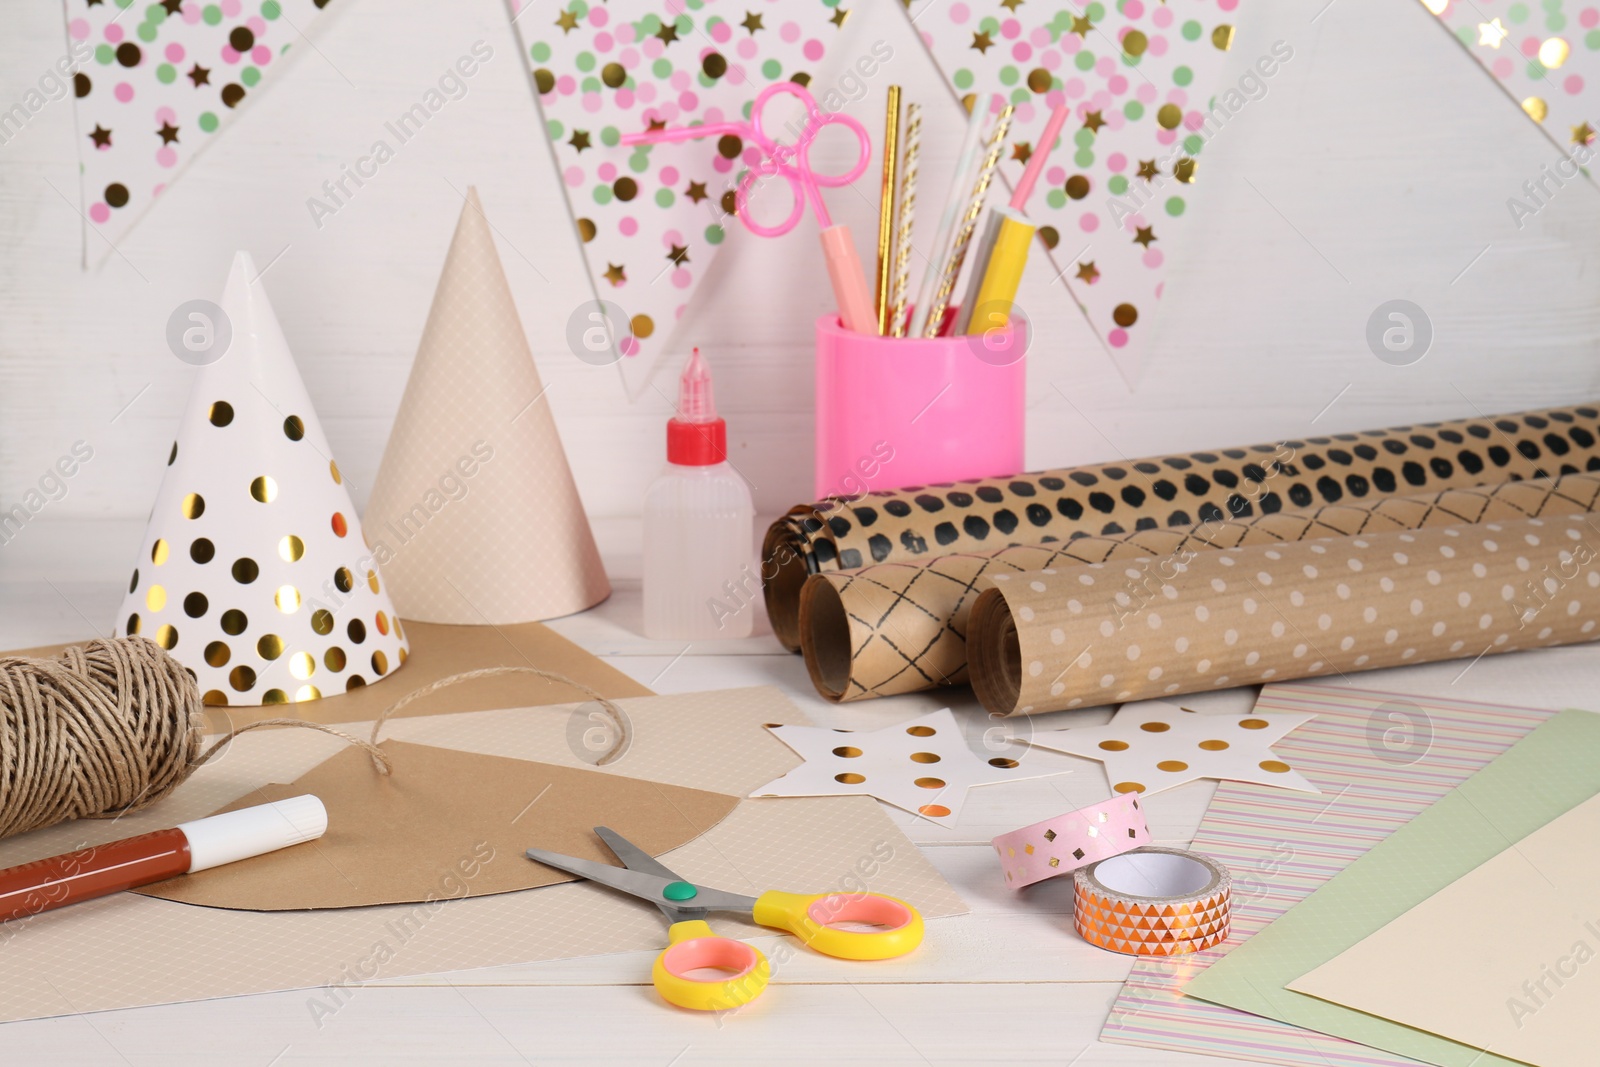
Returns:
point(633, 857)
point(641, 884)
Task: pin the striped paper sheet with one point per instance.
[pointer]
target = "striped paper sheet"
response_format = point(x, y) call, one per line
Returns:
point(1379, 759)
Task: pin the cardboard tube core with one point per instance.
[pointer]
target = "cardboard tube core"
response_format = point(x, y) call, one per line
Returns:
point(995, 653)
point(784, 572)
point(827, 637)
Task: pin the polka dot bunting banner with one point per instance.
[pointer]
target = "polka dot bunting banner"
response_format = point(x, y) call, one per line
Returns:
point(1055, 639)
point(1140, 78)
point(254, 571)
point(161, 80)
point(651, 217)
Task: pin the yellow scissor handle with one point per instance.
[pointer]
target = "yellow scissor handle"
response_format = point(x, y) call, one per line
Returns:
point(811, 918)
point(695, 948)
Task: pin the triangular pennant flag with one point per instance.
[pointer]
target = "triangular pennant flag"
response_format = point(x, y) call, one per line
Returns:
point(253, 571)
point(157, 83)
point(475, 515)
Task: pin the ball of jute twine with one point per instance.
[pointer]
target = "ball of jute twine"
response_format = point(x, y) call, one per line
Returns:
point(112, 726)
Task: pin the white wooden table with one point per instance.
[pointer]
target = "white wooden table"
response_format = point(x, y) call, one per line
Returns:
point(1009, 983)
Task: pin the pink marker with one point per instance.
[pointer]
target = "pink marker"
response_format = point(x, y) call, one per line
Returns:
point(1041, 155)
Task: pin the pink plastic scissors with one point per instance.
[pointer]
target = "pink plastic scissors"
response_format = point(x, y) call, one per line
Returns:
point(792, 163)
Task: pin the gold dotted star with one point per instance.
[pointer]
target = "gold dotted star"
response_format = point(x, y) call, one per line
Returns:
point(1088, 273)
point(568, 22)
point(982, 41)
point(1147, 170)
point(1081, 26)
point(679, 255)
point(752, 22)
point(696, 191)
point(615, 274)
point(1583, 134)
point(580, 140)
point(838, 17)
point(1021, 151)
point(1492, 33)
point(667, 33)
point(1012, 5)
point(1144, 235)
point(1093, 121)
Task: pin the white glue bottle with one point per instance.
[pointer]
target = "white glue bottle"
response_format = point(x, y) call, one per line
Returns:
point(700, 582)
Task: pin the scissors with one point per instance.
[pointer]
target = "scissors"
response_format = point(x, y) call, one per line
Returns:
point(745, 971)
point(791, 162)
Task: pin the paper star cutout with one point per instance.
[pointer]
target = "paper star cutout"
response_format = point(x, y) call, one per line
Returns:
point(1144, 235)
point(696, 191)
point(1582, 134)
point(174, 7)
point(101, 136)
point(200, 75)
point(1081, 26)
point(838, 17)
point(1087, 272)
point(1152, 745)
point(679, 254)
point(982, 41)
point(1021, 151)
point(615, 274)
point(168, 133)
point(580, 140)
point(1147, 170)
point(1093, 121)
point(1492, 33)
point(667, 33)
point(752, 22)
point(923, 765)
point(567, 21)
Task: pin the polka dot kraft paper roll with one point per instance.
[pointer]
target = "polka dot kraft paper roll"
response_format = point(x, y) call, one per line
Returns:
point(877, 525)
point(1074, 637)
point(253, 571)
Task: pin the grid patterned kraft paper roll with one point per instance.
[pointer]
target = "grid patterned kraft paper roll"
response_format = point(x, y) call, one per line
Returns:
point(1058, 639)
point(860, 529)
point(902, 627)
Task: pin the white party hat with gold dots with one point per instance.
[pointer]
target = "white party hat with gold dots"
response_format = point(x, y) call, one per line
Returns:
point(253, 571)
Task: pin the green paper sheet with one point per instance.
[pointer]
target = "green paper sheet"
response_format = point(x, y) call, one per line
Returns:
point(1552, 770)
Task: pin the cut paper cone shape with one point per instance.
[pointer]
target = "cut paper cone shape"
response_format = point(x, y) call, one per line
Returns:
point(475, 514)
point(253, 571)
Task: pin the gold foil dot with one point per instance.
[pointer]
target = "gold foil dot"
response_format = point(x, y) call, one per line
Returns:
point(404, 655)
point(1134, 43)
point(1275, 766)
point(1253, 724)
point(920, 731)
point(613, 75)
point(195, 605)
point(245, 570)
point(1183, 170)
point(587, 230)
point(294, 428)
point(264, 489)
point(929, 783)
point(850, 778)
point(924, 757)
point(133, 624)
point(218, 653)
point(158, 551)
point(343, 580)
point(1154, 727)
point(1172, 765)
point(1222, 37)
point(322, 621)
point(1554, 52)
point(937, 811)
point(397, 630)
point(340, 527)
point(380, 663)
point(357, 630)
point(333, 659)
point(173, 458)
point(1213, 746)
point(221, 413)
point(201, 550)
point(355, 681)
point(1055, 861)
point(274, 696)
point(1436, 6)
point(215, 698)
point(156, 598)
point(1168, 116)
point(1078, 186)
point(642, 325)
point(1039, 80)
point(167, 637)
point(133, 583)
point(194, 506)
point(234, 622)
point(846, 752)
point(1114, 746)
point(1125, 315)
point(291, 548)
point(372, 584)
point(1003, 762)
point(338, 479)
point(1128, 787)
point(383, 623)
point(302, 666)
point(1536, 108)
point(270, 646)
point(307, 692)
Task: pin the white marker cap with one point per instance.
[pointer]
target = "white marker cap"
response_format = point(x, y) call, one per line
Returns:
point(238, 835)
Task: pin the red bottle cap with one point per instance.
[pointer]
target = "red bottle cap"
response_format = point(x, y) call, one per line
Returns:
point(696, 437)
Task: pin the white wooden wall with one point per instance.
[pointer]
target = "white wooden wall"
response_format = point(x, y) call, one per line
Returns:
point(1376, 167)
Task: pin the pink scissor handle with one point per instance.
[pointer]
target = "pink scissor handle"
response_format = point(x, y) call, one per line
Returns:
point(741, 971)
point(792, 162)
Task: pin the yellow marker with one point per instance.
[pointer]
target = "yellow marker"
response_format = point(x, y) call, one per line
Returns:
point(991, 308)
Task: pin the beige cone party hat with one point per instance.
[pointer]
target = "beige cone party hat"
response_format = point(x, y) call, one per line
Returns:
point(253, 571)
point(475, 515)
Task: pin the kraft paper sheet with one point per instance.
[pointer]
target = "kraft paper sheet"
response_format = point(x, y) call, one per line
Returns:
point(1110, 632)
point(902, 627)
point(1176, 490)
point(129, 950)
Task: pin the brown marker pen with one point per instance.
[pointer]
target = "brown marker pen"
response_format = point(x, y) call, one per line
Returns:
point(154, 857)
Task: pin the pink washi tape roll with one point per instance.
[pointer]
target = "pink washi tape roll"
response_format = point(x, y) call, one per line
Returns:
point(1066, 842)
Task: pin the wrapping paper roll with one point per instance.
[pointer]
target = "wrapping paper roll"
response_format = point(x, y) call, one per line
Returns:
point(1063, 844)
point(1095, 634)
point(902, 627)
point(1153, 902)
point(1178, 490)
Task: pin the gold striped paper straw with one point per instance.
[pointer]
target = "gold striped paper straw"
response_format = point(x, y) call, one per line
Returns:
point(908, 209)
point(969, 220)
point(891, 167)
